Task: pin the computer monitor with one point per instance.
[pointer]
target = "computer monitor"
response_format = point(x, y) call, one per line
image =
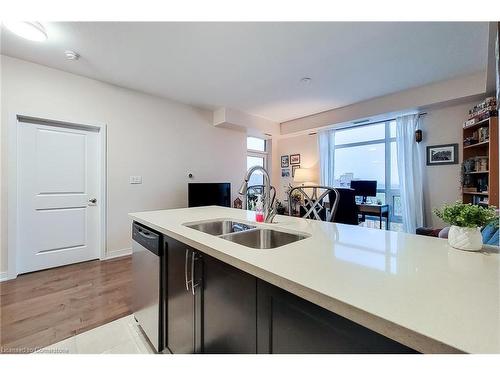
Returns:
point(207, 194)
point(364, 188)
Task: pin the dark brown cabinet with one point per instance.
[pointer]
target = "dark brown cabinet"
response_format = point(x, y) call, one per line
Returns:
point(213, 307)
point(287, 324)
point(182, 315)
point(229, 309)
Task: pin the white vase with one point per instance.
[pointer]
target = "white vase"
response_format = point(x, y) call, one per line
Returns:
point(463, 238)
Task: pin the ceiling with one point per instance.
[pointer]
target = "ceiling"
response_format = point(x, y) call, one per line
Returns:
point(257, 67)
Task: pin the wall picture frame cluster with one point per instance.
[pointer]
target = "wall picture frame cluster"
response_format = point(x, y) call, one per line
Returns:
point(287, 161)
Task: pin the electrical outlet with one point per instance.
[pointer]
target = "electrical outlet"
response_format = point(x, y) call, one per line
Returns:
point(135, 179)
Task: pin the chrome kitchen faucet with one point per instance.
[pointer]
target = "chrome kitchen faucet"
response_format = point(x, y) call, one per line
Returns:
point(269, 208)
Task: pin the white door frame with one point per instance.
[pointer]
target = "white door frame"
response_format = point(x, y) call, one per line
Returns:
point(12, 204)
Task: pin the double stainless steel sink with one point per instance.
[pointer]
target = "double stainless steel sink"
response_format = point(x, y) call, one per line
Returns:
point(220, 227)
point(247, 234)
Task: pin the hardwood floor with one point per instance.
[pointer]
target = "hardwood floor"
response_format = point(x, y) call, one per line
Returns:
point(41, 308)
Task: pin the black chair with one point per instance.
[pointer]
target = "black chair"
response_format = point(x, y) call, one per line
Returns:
point(347, 210)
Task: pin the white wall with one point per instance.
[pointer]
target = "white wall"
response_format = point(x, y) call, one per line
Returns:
point(157, 138)
point(441, 183)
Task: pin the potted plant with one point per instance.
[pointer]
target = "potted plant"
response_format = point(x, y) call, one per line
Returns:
point(466, 221)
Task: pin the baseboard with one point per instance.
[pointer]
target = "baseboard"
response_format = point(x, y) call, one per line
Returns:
point(118, 253)
point(4, 276)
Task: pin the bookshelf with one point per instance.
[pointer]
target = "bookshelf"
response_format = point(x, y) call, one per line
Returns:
point(480, 167)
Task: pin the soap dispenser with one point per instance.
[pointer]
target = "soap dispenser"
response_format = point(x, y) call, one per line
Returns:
point(259, 210)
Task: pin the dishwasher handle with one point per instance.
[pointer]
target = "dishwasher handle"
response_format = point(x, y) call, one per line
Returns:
point(148, 238)
point(147, 235)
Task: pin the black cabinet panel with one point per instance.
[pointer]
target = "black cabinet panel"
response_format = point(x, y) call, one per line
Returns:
point(288, 324)
point(229, 309)
point(234, 312)
point(180, 302)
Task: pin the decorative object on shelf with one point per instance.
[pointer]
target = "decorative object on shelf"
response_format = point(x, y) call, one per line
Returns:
point(482, 111)
point(442, 154)
point(469, 141)
point(482, 184)
point(469, 165)
point(295, 159)
point(483, 134)
point(294, 168)
point(466, 221)
point(285, 173)
point(238, 203)
point(481, 163)
point(285, 161)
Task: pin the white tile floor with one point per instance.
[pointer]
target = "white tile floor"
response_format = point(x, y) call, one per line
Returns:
point(122, 336)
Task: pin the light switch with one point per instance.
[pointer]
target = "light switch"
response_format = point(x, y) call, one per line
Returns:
point(136, 179)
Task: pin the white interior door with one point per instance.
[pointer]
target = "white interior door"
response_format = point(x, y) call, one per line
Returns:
point(58, 179)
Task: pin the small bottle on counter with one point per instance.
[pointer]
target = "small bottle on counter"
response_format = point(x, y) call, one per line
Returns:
point(259, 210)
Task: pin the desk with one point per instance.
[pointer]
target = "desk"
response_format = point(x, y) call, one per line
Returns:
point(380, 210)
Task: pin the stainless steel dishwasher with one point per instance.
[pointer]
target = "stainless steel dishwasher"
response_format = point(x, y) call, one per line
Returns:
point(148, 269)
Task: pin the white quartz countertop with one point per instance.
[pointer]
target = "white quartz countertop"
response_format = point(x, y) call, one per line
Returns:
point(414, 289)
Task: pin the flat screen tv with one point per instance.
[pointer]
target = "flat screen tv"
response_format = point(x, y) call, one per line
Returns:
point(208, 194)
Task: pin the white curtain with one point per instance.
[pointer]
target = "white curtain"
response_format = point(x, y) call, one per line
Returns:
point(326, 145)
point(410, 172)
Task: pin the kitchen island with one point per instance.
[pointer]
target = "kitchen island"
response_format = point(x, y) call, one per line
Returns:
point(413, 290)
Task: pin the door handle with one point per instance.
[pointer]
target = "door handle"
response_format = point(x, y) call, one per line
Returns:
point(186, 261)
point(92, 201)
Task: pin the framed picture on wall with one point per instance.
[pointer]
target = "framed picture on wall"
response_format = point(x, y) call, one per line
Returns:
point(285, 161)
point(294, 167)
point(442, 154)
point(285, 173)
point(295, 159)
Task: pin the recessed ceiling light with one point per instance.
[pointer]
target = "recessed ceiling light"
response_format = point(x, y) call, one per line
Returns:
point(305, 80)
point(71, 55)
point(27, 30)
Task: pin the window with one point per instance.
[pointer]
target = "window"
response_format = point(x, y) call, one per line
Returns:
point(256, 155)
point(368, 152)
point(256, 144)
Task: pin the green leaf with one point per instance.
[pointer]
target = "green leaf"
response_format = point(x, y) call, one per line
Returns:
point(466, 214)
